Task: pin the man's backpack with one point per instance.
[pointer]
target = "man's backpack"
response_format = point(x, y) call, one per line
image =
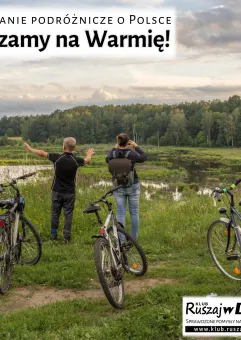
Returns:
point(122, 169)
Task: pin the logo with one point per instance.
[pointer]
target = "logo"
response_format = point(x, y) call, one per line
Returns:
point(211, 316)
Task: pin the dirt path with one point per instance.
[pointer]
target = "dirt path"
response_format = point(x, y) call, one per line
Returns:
point(21, 298)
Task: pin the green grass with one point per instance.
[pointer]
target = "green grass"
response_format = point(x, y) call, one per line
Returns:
point(173, 235)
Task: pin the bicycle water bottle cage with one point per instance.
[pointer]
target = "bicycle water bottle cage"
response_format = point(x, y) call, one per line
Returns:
point(91, 208)
point(222, 210)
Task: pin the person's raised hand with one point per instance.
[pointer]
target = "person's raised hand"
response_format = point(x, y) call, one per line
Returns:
point(91, 152)
point(133, 144)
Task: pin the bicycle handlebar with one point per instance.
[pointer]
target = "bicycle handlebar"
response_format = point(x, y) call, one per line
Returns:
point(110, 192)
point(13, 181)
point(25, 176)
point(217, 191)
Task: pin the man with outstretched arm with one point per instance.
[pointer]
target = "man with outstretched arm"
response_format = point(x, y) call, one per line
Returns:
point(63, 186)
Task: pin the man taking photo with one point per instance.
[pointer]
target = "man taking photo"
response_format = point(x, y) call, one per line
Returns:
point(63, 186)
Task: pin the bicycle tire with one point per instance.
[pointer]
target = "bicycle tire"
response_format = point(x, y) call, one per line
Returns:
point(139, 269)
point(225, 265)
point(24, 240)
point(5, 260)
point(99, 245)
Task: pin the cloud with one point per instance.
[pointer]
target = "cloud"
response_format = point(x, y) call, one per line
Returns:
point(26, 106)
point(100, 95)
point(29, 104)
point(214, 29)
point(163, 94)
point(208, 35)
point(76, 3)
point(56, 86)
point(208, 89)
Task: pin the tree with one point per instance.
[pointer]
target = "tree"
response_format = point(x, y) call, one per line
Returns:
point(207, 122)
point(152, 140)
point(177, 126)
point(10, 132)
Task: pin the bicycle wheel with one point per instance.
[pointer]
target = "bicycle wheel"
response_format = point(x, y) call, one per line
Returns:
point(111, 281)
point(224, 250)
point(5, 260)
point(133, 256)
point(30, 245)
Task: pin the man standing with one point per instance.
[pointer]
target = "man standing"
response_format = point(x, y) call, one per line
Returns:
point(63, 186)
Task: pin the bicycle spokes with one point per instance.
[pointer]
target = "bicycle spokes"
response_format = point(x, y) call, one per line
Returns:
point(132, 258)
point(5, 261)
point(224, 249)
point(110, 275)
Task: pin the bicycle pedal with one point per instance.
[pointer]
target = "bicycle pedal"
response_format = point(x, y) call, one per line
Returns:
point(232, 257)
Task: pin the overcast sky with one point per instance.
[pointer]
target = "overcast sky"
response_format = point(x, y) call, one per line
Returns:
point(208, 65)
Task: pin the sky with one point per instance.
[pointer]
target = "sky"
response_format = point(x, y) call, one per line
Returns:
point(207, 65)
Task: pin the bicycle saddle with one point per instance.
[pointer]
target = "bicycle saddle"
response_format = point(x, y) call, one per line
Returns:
point(91, 208)
point(6, 203)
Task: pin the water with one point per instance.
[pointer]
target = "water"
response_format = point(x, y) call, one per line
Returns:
point(150, 188)
point(198, 171)
point(14, 171)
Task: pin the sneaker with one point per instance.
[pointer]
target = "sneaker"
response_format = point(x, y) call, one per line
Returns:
point(66, 239)
point(53, 236)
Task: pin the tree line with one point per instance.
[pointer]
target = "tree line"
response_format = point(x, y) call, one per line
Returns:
point(213, 123)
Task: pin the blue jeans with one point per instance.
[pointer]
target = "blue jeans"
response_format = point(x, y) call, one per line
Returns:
point(131, 193)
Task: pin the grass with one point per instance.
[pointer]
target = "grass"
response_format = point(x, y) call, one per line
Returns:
point(173, 235)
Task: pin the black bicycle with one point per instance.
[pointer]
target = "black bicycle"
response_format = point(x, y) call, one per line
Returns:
point(224, 236)
point(20, 242)
point(113, 257)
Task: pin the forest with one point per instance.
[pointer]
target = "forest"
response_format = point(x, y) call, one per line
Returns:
point(213, 123)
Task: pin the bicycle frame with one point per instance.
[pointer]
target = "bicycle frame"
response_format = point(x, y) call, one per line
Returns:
point(14, 234)
point(234, 212)
point(103, 231)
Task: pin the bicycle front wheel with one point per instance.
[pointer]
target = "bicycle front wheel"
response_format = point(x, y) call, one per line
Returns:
point(30, 245)
point(6, 263)
point(133, 256)
point(111, 280)
point(224, 249)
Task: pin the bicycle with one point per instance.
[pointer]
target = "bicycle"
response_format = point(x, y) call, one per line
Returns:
point(16, 234)
point(112, 257)
point(227, 233)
